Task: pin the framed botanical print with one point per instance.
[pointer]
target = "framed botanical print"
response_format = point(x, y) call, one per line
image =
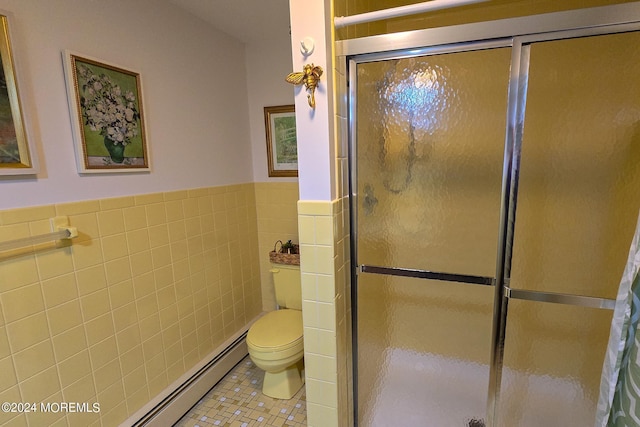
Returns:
point(282, 148)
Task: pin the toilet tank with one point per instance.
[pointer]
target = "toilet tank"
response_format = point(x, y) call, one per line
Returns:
point(287, 282)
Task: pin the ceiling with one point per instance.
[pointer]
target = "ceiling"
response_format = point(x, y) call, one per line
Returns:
point(251, 21)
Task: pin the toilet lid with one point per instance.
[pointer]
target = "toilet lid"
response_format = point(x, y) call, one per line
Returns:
point(279, 329)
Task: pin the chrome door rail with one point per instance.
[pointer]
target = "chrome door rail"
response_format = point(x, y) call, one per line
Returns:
point(425, 274)
point(557, 298)
point(588, 19)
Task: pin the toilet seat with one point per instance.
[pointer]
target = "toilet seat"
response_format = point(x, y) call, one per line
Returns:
point(276, 335)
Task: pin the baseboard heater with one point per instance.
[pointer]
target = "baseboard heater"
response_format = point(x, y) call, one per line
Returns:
point(186, 394)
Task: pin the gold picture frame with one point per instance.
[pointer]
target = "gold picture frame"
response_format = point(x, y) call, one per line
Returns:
point(16, 153)
point(282, 149)
point(107, 115)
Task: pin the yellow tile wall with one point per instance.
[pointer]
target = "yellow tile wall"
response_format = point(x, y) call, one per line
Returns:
point(276, 206)
point(324, 264)
point(152, 285)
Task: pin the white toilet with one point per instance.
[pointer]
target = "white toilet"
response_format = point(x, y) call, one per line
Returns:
point(275, 340)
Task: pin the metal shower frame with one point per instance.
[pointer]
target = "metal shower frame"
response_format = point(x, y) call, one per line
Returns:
point(517, 33)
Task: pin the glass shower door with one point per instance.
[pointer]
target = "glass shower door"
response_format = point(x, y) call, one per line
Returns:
point(578, 200)
point(429, 156)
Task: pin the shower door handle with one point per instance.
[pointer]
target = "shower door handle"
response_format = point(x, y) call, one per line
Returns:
point(431, 275)
point(566, 299)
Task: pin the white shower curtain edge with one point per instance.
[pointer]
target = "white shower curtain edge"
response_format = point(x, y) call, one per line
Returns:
point(619, 332)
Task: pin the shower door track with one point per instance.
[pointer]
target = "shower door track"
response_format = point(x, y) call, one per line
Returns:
point(518, 33)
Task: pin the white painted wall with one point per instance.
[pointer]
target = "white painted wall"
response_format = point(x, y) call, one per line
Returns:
point(315, 127)
point(195, 96)
point(268, 63)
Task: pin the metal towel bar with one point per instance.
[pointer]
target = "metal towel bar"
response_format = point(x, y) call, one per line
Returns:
point(63, 233)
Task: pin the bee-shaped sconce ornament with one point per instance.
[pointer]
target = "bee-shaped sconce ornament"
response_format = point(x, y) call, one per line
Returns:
point(309, 76)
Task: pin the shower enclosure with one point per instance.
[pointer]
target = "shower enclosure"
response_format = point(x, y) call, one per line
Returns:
point(495, 179)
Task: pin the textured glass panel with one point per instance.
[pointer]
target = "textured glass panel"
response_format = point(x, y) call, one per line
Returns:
point(423, 351)
point(580, 173)
point(552, 364)
point(430, 138)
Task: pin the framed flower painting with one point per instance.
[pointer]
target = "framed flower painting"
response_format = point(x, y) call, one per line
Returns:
point(105, 102)
point(17, 156)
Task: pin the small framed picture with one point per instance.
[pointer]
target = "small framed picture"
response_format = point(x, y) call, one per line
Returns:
point(282, 148)
point(107, 115)
point(16, 153)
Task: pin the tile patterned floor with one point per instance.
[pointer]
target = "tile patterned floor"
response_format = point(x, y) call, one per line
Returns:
point(237, 401)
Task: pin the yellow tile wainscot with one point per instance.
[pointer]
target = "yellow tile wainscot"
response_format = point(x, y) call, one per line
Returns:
point(149, 288)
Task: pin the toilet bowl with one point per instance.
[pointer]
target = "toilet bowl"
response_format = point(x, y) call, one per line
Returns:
point(275, 346)
point(275, 340)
